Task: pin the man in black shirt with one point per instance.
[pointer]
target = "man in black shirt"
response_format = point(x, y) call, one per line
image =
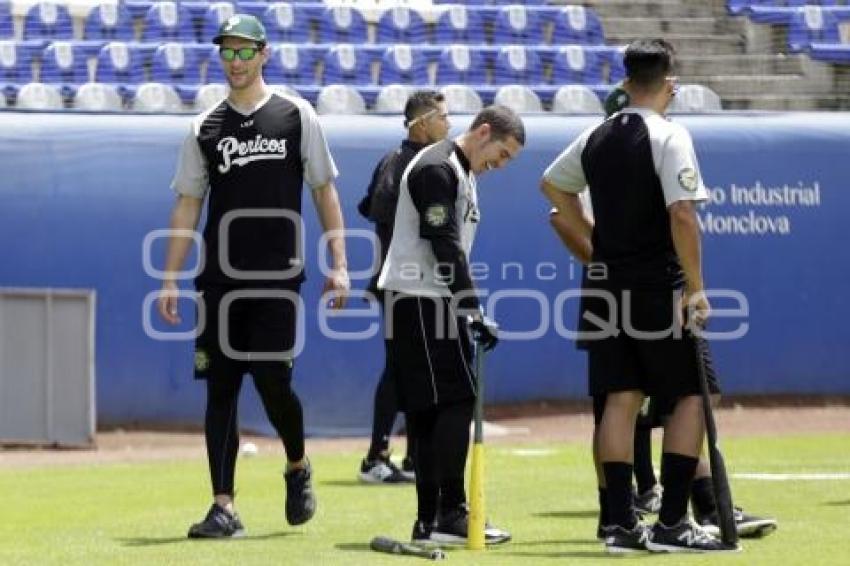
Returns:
point(427, 122)
point(430, 296)
point(643, 250)
point(249, 156)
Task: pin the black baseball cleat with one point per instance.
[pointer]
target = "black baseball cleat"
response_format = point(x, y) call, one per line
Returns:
point(620, 540)
point(748, 526)
point(421, 532)
point(452, 527)
point(300, 499)
point(686, 536)
point(381, 470)
point(218, 524)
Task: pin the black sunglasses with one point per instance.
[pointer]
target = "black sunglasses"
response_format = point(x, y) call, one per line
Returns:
point(244, 53)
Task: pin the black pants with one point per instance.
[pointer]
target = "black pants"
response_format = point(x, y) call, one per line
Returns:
point(385, 411)
point(441, 440)
point(221, 424)
point(259, 325)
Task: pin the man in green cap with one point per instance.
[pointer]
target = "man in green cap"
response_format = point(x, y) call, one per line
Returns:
point(250, 156)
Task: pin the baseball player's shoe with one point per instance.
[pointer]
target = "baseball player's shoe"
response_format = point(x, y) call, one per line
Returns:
point(748, 526)
point(619, 540)
point(649, 502)
point(686, 536)
point(218, 524)
point(452, 527)
point(421, 532)
point(408, 469)
point(300, 499)
point(381, 470)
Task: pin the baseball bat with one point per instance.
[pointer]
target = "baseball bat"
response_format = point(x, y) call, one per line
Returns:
point(719, 479)
point(391, 546)
point(475, 536)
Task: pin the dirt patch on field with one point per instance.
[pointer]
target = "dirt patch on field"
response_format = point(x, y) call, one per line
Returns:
point(512, 425)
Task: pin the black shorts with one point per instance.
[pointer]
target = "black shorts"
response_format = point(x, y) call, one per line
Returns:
point(431, 351)
point(257, 334)
point(663, 365)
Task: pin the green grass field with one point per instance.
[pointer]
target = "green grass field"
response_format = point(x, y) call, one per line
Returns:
point(545, 495)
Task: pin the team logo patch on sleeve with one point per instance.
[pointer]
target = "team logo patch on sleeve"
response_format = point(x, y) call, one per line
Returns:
point(437, 215)
point(688, 179)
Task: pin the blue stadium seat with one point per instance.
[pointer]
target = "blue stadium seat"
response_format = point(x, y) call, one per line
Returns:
point(831, 53)
point(64, 63)
point(577, 24)
point(345, 64)
point(616, 69)
point(48, 20)
point(812, 24)
point(215, 15)
point(461, 64)
point(573, 64)
point(285, 22)
point(401, 25)
point(109, 21)
point(516, 64)
point(120, 64)
point(168, 21)
point(175, 64)
point(402, 64)
point(289, 65)
point(7, 28)
point(459, 25)
point(342, 25)
point(15, 63)
point(514, 24)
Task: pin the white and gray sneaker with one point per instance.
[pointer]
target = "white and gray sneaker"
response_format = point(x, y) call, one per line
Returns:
point(619, 540)
point(686, 536)
point(748, 526)
point(452, 527)
point(381, 470)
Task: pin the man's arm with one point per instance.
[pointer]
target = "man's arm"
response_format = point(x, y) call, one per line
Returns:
point(433, 190)
point(326, 200)
point(570, 222)
point(184, 217)
point(684, 228)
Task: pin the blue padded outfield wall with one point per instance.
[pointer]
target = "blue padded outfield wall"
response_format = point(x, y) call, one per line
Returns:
point(78, 194)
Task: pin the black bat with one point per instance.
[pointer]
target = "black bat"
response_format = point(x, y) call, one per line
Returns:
point(390, 546)
point(719, 479)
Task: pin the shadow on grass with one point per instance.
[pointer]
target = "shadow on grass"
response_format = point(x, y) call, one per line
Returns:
point(577, 554)
point(838, 503)
point(558, 541)
point(578, 514)
point(353, 546)
point(156, 541)
point(346, 483)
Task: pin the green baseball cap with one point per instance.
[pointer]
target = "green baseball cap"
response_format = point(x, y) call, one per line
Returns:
point(245, 26)
point(616, 100)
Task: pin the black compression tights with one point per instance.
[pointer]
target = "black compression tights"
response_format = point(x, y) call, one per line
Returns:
point(441, 441)
point(283, 409)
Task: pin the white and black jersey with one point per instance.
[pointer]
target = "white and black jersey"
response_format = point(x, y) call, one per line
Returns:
point(636, 164)
point(435, 224)
point(252, 165)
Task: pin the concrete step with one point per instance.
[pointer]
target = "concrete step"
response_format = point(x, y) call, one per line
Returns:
point(651, 27)
point(652, 8)
point(691, 44)
point(753, 64)
point(786, 102)
point(725, 85)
